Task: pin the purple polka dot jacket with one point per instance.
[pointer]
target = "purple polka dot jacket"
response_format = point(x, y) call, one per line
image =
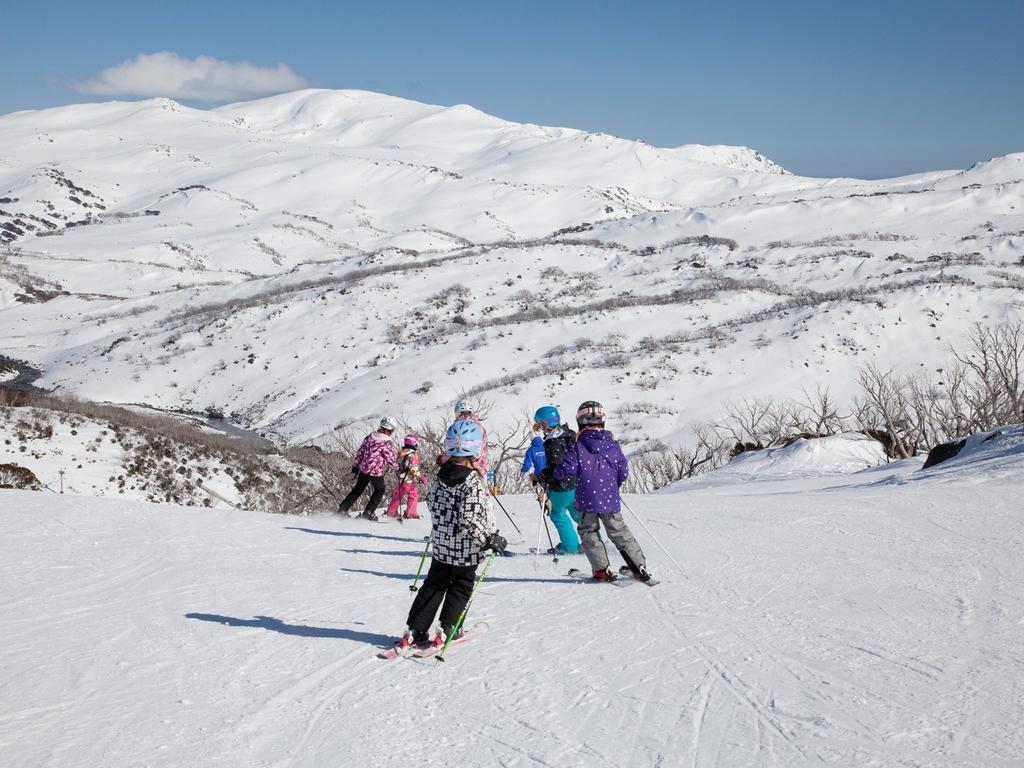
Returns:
point(599, 466)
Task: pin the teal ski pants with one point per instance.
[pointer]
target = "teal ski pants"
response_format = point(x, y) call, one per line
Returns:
point(561, 509)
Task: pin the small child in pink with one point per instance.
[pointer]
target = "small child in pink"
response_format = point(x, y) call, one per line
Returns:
point(408, 475)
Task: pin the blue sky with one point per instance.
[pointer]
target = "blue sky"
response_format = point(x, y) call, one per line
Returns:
point(825, 88)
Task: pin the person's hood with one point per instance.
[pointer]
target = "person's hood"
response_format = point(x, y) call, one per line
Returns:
point(597, 440)
point(561, 429)
point(537, 442)
point(453, 474)
point(380, 437)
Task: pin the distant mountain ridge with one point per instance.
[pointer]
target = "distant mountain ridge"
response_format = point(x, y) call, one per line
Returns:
point(320, 257)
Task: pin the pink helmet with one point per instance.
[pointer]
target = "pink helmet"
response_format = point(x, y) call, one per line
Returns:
point(412, 441)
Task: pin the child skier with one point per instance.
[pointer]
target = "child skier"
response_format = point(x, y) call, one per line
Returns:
point(465, 411)
point(375, 457)
point(409, 475)
point(599, 467)
point(560, 492)
point(462, 530)
point(534, 459)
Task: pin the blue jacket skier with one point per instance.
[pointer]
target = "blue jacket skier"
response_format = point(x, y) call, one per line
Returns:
point(561, 492)
point(535, 458)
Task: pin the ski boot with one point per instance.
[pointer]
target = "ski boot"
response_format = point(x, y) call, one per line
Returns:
point(638, 572)
point(442, 633)
point(558, 550)
point(412, 637)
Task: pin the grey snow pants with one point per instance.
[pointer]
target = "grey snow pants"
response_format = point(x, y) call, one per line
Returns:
point(618, 532)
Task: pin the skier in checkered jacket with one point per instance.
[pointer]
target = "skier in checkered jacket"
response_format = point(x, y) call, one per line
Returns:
point(463, 530)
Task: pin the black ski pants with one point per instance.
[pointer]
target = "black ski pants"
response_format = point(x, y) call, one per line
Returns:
point(361, 482)
point(451, 583)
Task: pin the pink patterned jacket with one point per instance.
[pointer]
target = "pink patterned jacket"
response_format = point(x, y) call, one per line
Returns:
point(376, 455)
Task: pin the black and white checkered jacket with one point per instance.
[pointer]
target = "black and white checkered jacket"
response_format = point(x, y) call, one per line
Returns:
point(461, 516)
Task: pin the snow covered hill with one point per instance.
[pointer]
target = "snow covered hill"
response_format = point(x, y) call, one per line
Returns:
point(148, 458)
point(320, 257)
point(872, 619)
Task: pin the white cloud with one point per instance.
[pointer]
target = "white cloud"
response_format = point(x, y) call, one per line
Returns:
point(203, 78)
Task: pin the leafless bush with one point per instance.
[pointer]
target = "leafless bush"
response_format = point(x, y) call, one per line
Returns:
point(994, 364)
point(981, 390)
point(817, 415)
point(755, 423)
point(949, 258)
point(506, 450)
point(660, 465)
point(553, 273)
point(14, 476)
point(884, 407)
point(885, 237)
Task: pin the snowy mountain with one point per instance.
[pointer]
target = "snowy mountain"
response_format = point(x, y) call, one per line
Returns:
point(322, 257)
point(866, 619)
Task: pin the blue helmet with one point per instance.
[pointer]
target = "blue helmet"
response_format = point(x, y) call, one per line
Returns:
point(548, 416)
point(464, 438)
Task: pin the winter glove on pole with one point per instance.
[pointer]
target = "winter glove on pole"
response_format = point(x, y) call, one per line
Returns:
point(458, 624)
point(419, 570)
point(496, 542)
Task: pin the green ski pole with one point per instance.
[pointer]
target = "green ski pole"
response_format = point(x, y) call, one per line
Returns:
point(419, 570)
point(455, 629)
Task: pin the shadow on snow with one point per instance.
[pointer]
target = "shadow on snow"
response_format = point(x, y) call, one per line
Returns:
point(413, 539)
point(490, 579)
point(388, 552)
point(271, 624)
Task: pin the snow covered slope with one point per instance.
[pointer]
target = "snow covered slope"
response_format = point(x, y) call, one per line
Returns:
point(872, 619)
point(323, 256)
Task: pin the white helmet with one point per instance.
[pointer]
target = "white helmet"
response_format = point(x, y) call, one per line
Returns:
point(464, 405)
point(389, 424)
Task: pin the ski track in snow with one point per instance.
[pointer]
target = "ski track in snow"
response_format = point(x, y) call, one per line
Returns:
point(849, 626)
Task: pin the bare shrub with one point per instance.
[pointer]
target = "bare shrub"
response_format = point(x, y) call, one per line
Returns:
point(660, 464)
point(994, 362)
point(817, 414)
point(883, 407)
point(14, 476)
point(755, 423)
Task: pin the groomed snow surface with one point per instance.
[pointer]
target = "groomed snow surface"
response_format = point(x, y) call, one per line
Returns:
point(866, 619)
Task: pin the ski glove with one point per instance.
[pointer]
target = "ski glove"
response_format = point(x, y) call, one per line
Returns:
point(496, 542)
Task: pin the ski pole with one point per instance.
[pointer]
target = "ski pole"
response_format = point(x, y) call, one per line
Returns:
point(423, 557)
point(544, 517)
point(455, 629)
point(401, 482)
point(506, 512)
point(649, 533)
point(540, 531)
